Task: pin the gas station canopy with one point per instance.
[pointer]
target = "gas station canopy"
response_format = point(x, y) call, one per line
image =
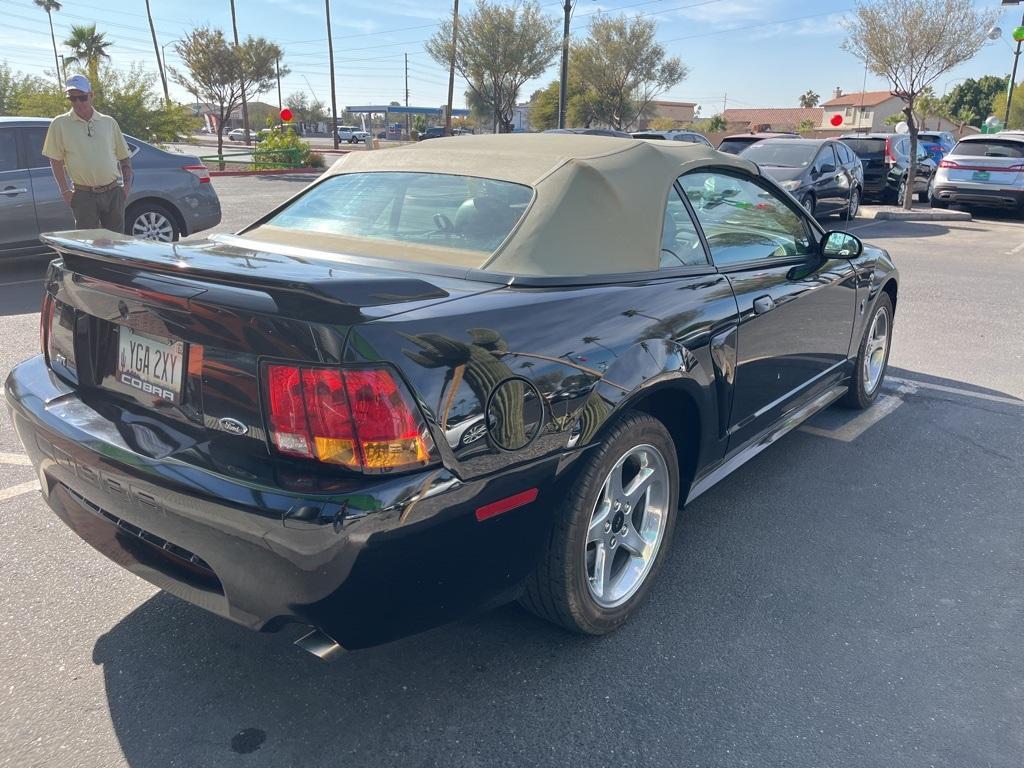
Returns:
point(386, 108)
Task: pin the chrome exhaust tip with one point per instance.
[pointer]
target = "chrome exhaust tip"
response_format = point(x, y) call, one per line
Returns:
point(320, 644)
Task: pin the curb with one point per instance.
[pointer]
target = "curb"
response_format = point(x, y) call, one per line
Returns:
point(268, 172)
point(932, 215)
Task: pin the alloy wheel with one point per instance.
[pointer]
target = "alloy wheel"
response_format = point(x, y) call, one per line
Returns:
point(153, 226)
point(854, 204)
point(627, 525)
point(875, 350)
point(901, 192)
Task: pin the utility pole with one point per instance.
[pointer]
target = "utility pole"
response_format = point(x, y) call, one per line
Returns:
point(241, 77)
point(563, 80)
point(330, 55)
point(451, 70)
point(1013, 80)
point(160, 64)
point(277, 70)
point(408, 128)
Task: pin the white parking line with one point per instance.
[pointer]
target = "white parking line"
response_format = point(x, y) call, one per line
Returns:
point(14, 458)
point(1015, 249)
point(22, 282)
point(17, 490)
point(916, 383)
point(854, 428)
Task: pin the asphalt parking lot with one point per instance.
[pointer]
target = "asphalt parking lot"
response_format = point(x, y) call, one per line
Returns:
point(851, 597)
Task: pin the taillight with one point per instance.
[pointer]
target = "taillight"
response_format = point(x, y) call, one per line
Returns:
point(45, 321)
point(890, 156)
point(947, 164)
point(201, 172)
point(362, 419)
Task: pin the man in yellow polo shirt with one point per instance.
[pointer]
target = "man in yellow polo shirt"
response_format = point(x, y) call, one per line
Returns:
point(89, 148)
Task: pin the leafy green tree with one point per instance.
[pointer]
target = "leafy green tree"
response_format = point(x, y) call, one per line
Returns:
point(281, 148)
point(499, 49)
point(50, 6)
point(912, 43)
point(1016, 108)
point(88, 50)
point(975, 97)
point(17, 87)
point(212, 66)
point(716, 124)
point(133, 100)
point(806, 125)
point(544, 107)
point(809, 99)
point(622, 68)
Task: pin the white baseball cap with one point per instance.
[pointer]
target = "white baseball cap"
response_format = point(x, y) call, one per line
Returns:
point(77, 83)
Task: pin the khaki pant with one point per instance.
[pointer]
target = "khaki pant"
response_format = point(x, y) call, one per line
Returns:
point(95, 210)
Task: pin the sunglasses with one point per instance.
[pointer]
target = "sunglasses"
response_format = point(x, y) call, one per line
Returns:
point(83, 97)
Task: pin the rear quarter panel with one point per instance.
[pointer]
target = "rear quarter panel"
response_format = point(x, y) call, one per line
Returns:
point(548, 368)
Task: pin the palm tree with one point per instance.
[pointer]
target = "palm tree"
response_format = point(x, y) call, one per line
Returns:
point(88, 48)
point(50, 6)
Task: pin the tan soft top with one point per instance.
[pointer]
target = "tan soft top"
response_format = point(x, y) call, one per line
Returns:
point(598, 206)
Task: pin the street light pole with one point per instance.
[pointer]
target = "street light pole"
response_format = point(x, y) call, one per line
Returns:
point(563, 80)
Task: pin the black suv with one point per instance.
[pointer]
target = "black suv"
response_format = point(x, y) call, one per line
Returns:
point(886, 157)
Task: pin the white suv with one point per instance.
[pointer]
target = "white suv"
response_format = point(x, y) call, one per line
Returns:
point(351, 134)
point(984, 169)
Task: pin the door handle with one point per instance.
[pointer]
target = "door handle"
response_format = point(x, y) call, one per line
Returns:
point(763, 304)
point(13, 190)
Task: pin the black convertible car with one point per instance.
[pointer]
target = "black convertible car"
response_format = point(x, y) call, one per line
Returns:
point(442, 377)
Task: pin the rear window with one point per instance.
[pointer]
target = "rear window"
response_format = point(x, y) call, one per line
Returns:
point(989, 148)
point(447, 211)
point(735, 146)
point(866, 147)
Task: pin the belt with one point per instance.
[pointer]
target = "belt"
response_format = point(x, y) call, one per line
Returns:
point(105, 188)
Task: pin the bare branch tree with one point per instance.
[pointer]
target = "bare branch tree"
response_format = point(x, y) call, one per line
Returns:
point(912, 43)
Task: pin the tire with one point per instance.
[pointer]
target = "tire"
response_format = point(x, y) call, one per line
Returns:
point(869, 370)
point(152, 221)
point(563, 588)
point(901, 191)
point(809, 204)
point(853, 205)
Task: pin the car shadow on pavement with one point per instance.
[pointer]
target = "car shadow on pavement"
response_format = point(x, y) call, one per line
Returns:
point(889, 228)
point(843, 603)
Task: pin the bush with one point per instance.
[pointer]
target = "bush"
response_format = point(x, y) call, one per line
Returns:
point(315, 160)
point(281, 148)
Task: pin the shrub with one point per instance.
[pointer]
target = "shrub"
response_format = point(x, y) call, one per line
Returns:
point(281, 148)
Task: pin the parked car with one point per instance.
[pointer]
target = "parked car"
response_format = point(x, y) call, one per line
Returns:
point(351, 134)
point(823, 174)
point(937, 143)
point(982, 170)
point(591, 132)
point(886, 161)
point(691, 136)
point(433, 132)
point(171, 194)
point(257, 423)
point(733, 145)
point(238, 134)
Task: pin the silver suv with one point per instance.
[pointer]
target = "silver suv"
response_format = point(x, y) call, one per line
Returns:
point(984, 170)
point(171, 194)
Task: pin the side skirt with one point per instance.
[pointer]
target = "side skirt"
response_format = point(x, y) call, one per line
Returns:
point(788, 423)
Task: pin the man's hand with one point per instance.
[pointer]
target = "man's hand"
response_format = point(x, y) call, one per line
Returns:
point(67, 194)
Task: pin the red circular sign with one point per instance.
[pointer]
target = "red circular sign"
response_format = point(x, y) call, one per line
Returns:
point(286, 115)
point(836, 120)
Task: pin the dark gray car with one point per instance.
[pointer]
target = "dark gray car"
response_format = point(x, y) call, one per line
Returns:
point(171, 194)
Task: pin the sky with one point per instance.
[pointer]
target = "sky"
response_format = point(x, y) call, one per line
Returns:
point(739, 53)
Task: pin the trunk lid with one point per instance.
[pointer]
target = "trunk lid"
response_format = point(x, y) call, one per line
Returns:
point(169, 339)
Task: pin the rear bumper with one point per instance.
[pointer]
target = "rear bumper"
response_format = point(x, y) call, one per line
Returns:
point(387, 559)
point(201, 210)
point(994, 198)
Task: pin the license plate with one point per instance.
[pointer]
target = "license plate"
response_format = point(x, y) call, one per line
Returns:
point(150, 365)
point(980, 176)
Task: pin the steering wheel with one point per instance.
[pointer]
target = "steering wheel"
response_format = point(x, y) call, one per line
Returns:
point(443, 224)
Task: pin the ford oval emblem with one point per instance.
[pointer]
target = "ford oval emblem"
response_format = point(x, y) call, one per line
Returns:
point(233, 426)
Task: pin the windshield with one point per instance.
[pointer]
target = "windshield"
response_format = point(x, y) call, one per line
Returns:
point(789, 154)
point(989, 148)
point(736, 145)
point(441, 210)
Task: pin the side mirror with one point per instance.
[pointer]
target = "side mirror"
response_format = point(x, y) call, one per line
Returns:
point(841, 245)
point(828, 168)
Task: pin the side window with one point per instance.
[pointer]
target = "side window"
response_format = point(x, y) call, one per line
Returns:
point(845, 155)
point(825, 157)
point(34, 146)
point(680, 243)
point(902, 147)
point(8, 150)
point(743, 221)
